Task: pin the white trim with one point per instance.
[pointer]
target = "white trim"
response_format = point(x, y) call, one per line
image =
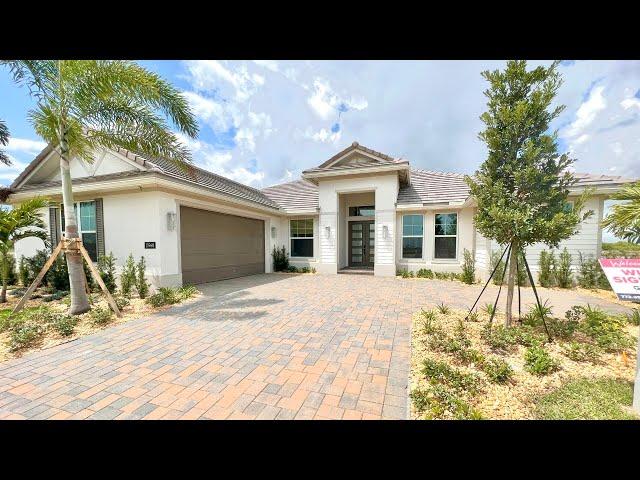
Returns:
point(357, 171)
point(403, 236)
point(446, 260)
point(351, 152)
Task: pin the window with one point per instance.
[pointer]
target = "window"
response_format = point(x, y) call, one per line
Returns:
point(86, 217)
point(367, 211)
point(446, 236)
point(412, 233)
point(301, 233)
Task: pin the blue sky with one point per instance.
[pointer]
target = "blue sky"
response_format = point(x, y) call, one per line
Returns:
point(263, 122)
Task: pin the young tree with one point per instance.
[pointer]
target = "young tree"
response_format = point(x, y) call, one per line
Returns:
point(83, 105)
point(20, 222)
point(624, 219)
point(522, 187)
point(4, 140)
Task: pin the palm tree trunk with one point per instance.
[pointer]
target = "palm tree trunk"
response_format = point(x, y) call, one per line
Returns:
point(77, 279)
point(513, 263)
point(4, 273)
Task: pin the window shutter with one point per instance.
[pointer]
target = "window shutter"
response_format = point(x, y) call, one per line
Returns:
point(99, 227)
point(54, 226)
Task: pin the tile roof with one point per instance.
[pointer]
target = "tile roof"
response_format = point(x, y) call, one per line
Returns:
point(292, 196)
point(590, 179)
point(428, 187)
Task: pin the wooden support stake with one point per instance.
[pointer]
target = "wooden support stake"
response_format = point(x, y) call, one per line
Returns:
point(98, 278)
point(38, 279)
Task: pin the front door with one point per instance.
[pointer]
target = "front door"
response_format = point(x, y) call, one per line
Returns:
point(362, 240)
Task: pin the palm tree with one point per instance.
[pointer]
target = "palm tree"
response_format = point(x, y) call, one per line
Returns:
point(624, 219)
point(4, 139)
point(21, 222)
point(83, 105)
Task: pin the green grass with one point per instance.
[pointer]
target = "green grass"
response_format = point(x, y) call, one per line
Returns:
point(585, 399)
point(5, 312)
point(622, 247)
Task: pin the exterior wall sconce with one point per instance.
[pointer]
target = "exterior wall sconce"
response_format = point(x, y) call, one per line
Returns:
point(385, 231)
point(273, 232)
point(171, 221)
point(327, 230)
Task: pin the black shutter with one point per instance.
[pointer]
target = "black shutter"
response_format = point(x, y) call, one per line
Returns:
point(99, 227)
point(54, 226)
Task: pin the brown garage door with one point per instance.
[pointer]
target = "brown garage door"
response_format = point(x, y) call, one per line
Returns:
point(215, 246)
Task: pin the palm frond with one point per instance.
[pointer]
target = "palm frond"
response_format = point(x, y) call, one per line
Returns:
point(4, 140)
point(624, 219)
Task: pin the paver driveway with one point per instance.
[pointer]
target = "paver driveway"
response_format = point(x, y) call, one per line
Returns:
point(268, 347)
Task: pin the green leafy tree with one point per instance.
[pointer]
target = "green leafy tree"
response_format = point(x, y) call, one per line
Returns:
point(84, 105)
point(20, 222)
point(4, 140)
point(107, 270)
point(141, 282)
point(624, 218)
point(521, 188)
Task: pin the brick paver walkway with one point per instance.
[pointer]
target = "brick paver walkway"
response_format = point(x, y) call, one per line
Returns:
point(266, 347)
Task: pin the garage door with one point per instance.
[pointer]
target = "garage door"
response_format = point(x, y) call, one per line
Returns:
point(215, 246)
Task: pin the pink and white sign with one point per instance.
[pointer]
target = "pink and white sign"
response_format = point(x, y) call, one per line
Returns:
point(624, 276)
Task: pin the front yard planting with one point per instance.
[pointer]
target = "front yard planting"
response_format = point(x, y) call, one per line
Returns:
point(463, 369)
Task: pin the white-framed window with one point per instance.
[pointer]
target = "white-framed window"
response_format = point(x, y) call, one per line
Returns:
point(412, 236)
point(446, 236)
point(86, 218)
point(301, 237)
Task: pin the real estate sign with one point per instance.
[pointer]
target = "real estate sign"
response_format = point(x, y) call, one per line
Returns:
point(624, 276)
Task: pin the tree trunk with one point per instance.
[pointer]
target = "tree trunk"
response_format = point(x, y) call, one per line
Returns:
point(77, 279)
point(513, 263)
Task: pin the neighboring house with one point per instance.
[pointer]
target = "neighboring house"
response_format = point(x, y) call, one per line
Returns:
point(360, 209)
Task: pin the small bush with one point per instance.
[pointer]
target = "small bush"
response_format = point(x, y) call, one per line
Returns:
point(128, 276)
point(470, 355)
point(34, 264)
point(305, 270)
point(25, 334)
point(429, 324)
point(468, 268)
point(121, 301)
point(495, 260)
point(141, 281)
point(443, 309)
point(563, 273)
point(292, 269)
point(64, 324)
point(280, 259)
point(582, 352)
point(473, 317)
point(537, 361)
point(606, 330)
point(497, 370)
point(591, 274)
point(58, 275)
point(634, 317)
point(411, 274)
point(437, 372)
point(442, 275)
point(439, 402)
point(499, 338)
point(424, 273)
point(186, 291)
point(488, 308)
point(107, 270)
point(547, 265)
point(23, 272)
point(100, 316)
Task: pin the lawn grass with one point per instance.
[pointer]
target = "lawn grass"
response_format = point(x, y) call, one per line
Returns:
point(621, 248)
point(584, 399)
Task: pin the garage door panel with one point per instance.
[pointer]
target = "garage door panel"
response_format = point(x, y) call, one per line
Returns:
point(215, 246)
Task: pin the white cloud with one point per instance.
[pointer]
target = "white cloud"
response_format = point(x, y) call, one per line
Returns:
point(245, 138)
point(587, 112)
point(205, 74)
point(323, 135)
point(25, 145)
point(212, 112)
point(628, 103)
point(268, 64)
point(325, 102)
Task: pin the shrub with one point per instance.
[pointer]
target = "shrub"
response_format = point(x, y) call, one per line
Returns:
point(58, 275)
point(473, 317)
point(280, 259)
point(23, 272)
point(468, 275)
point(313, 270)
point(497, 370)
point(438, 402)
point(537, 361)
point(34, 264)
point(164, 296)
point(606, 330)
point(437, 372)
point(141, 281)
point(186, 291)
point(25, 334)
point(582, 352)
point(547, 266)
point(107, 270)
point(424, 273)
point(404, 273)
point(634, 317)
point(488, 308)
point(12, 277)
point(495, 260)
point(562, 272)
point(499, 338)
point(128, 276)
point(442, 275)
point(443, 309)
point(591, 274)
point(121, 301)
point(64, 324)
point(100, 316)
point(411, 274)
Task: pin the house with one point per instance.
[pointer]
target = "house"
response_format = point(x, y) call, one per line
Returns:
point(360, 209)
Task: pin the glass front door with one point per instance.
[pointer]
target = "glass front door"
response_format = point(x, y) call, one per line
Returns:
point(362, 242)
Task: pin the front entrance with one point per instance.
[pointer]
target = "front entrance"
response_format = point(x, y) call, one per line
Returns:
point(362, 238)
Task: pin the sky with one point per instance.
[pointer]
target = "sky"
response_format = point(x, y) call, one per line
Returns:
point(262, 122)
